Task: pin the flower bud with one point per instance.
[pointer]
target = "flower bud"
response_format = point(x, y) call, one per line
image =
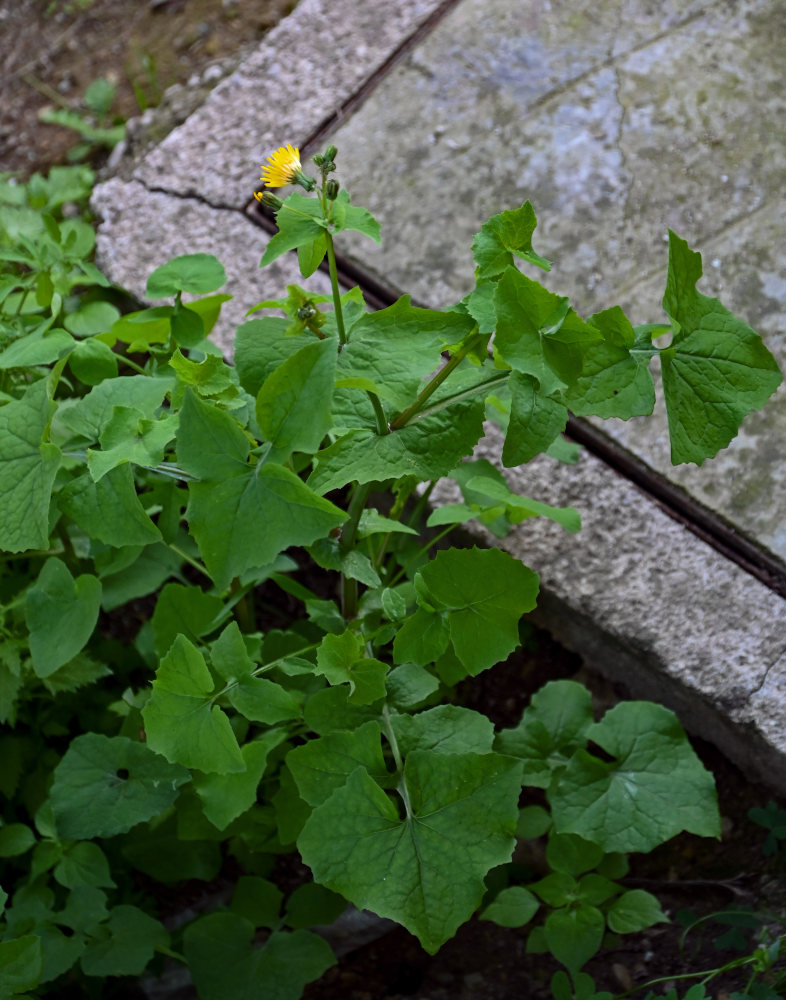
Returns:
point(269, 200)
point(331, 189)
point(330, 154)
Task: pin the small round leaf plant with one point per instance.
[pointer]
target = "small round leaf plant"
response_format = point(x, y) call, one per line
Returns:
point(229, 632)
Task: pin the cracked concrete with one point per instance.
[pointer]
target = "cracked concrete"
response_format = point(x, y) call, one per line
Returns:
point(617, 120)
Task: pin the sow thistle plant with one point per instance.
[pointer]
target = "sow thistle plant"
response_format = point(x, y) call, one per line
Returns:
point(153, 492)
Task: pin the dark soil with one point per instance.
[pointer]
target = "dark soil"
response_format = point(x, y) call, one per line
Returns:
point(57, 49)
point(52, 50)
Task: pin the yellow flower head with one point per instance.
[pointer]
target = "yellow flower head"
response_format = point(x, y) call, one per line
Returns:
point(282, 168)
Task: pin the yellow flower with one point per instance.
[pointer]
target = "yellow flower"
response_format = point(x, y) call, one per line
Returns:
point(282, 168)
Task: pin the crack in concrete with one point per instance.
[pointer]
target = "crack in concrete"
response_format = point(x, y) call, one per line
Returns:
point(780, 656)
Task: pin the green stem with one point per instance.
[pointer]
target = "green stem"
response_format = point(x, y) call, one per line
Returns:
point(132, 364)
point(391, 737)
point(379, 412)
point(191, 562)
point(349, 587)
point(407, 415)
point(342, 334)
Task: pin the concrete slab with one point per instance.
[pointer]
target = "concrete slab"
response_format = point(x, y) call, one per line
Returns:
point(143, 229)
point(646, 603)
point(303, 72)
point(618, 121)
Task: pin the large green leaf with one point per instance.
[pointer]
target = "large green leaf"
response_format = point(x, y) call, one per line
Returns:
point(426, 871)
point(61, 614)
point(716, 370)
point(535, 420)
point(654, 787)
point(427, 448)
point(261, 345)
point(552, 728)
point(20, 963)
point(502, 237)
point(181, 720)
point(246, 520)
point(321, 766)
point(299, 223)
point(615, 380)
point(89, 416)
point(109, 510)
point(196, 273)
point(395, 348)
point(27, 470)
point(226, 965)
point(124, 944)
point(127, 437)
point(538, 333)
point(210, 442)
point(444, 729)
point(226, 796)
point(342, 659)
point(482, 593)
point(103, 786)
point(293, 405)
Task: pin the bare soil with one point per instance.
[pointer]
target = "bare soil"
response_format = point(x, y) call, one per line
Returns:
point(52, 50)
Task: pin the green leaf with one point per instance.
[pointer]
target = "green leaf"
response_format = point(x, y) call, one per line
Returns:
point(181, 720)
point(427, 448)
point(513, 907)
point(519, 508)
point(15, 839)
point(187, 327)
point(293, 405)
point(422, 639)
point(354, 217)
point(310, 255)
point(538, 333)
point(92, 361)
point(83, 864)
point(312, 904)
point(21, 963)
point(341, 659)
point(444, 729)
point(257, 698)
point(328, 711)
point(716, 370)
point(226, 965)
point(321, 766)
point(574, 935)
point(61, 614)
point(409, 685)
point(185, 610)
point(226, 796)
point(91, 318)
point(104, 786)
point(27, 471)
point(127, 437)
point(246, 520)
point(110, 510)
point(615, 380)
point(166, 856)
point(39, 348)
point(90, 415)
point(425, 871)
point(211, 443)
point(124, 944)
point(633, 911)
point(299, 222)
point(653, 789)
point(261, 345)
point(535, 421)
point(394, 349)
point(483, 593)
point(141, 329)
point(196, 273)
point(571, 854)
point(552, 728)
point(258, 901)
point(504, 235)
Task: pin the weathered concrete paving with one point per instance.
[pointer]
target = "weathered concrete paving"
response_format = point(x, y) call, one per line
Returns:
point(617, 120)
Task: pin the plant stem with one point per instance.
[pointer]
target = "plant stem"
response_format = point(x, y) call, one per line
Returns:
point(391, 737)
point(342, 334)
point(421, 551)
point(349, 587)
point(407, 415)
point(379, 412)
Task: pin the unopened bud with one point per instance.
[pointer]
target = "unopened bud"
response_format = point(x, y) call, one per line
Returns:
point(269, 200)
point(330, 154)
point(319, 159)
point(331, 189)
